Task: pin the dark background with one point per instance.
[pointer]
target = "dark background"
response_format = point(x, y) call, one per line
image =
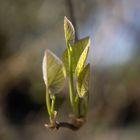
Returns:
point(28, 27)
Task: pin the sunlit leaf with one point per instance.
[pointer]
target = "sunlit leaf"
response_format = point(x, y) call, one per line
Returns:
point(69, 30)
point(83, 81)
point(53, 72)
point(77, 50)
point(81, 61)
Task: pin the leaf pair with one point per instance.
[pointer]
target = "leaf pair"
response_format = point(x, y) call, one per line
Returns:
point(79, 54)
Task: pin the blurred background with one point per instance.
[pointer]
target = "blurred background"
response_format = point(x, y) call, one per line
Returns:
point(28, 27)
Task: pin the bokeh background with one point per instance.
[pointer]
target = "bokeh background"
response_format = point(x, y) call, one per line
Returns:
point(28, 27)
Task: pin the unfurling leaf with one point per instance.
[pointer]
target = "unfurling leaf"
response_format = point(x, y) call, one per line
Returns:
point(69, 31)
point(83, 81)
point(53, 72)
point(81, 61)
point(77, 50)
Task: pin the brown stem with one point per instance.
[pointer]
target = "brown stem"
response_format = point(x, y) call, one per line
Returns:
point(75, 125)
point(67, 125)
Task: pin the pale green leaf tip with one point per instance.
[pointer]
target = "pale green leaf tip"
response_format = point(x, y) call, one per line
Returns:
point(68, 22)
point(65, 18)
point(89, 40)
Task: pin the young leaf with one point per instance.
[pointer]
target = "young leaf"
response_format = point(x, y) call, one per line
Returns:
point(53, 72)
point(81, 62)
point(83, 81)
point(77, 50)
point(69, 31)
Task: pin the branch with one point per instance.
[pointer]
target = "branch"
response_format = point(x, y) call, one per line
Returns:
point(75, 125)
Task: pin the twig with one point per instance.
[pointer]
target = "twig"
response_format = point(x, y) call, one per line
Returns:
point(67, 125)
point(75, 125)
